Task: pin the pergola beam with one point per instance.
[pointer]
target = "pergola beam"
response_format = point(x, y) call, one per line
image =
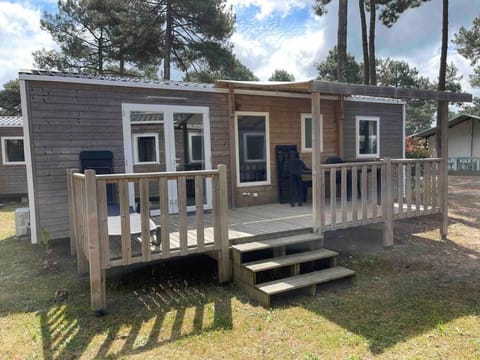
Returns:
point(387, 92)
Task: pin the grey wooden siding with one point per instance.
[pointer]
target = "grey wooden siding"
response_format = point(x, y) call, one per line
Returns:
point(391, 127)
point(13, 178)
point(68, 118)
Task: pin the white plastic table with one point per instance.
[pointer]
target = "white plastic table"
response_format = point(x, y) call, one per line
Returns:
point(115, 225)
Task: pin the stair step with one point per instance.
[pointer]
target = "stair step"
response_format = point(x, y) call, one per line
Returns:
point(298, 258)
point(300, 281)
point(272, 243)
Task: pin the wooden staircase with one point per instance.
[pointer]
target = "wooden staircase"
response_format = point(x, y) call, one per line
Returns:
point(274, 266)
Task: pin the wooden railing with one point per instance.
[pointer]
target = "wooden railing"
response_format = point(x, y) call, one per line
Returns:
point(379, 191)
point(471, 163)
point(89, 227)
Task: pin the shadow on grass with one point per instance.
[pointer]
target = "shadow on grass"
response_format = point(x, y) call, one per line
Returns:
point(149, 307)
point(396, 297)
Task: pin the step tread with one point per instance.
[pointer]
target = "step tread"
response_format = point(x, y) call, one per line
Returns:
point(271, 243)
point(299, 281)
point(297, 258)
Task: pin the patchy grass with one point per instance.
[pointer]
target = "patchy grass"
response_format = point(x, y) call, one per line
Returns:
point(420, 300)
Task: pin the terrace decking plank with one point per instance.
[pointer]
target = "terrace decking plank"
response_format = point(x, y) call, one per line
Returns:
point(257, 221)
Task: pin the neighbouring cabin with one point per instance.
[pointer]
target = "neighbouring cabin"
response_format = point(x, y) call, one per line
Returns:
point(197, 168)
point(13, 176)
point(463, 144)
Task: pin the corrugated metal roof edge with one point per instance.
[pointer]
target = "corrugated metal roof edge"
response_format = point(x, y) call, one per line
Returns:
point(11, 121)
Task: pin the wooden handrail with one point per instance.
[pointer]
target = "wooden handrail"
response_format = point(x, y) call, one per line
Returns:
point(379, 191)
point(87, 194)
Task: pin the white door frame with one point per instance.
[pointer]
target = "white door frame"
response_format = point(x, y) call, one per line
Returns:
point(169, 134)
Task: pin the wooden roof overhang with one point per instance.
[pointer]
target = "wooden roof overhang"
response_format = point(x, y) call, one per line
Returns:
point(324, 87)
point(335, 88)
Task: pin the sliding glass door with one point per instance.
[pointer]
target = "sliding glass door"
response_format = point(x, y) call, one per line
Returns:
point(159, 138)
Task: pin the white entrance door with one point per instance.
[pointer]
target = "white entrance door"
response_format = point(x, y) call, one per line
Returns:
point(160, 138)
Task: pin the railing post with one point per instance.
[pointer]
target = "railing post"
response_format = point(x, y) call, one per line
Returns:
point(388, 205)
point(72, 216)
point(443, 110)
point(97, 273)
point(224, 264)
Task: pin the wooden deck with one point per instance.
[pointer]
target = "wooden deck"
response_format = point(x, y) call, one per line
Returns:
point(255, 222)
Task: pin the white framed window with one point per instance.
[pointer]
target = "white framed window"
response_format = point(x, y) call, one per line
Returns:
point(145, 149)
point(195, 147)
point(367, 136)
point(12, 150)
point(307, 132)
point(252, 148)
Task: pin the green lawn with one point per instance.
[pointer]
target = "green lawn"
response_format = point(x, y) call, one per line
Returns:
point(420, 300)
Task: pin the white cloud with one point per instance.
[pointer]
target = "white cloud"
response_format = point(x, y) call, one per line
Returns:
point(269, 7)
point(297, 53)
point(21, 35)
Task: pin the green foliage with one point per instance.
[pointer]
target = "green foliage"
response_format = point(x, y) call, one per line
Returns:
point(99, 36)
point(320, 6)
point(473, 109)
point(392, 9)
point(420, 113)
point(468, 45)
point(10, 103)
point(230, 69)
point(327, 69)
point(281, 75)
point(196, 32)
point(45, 237)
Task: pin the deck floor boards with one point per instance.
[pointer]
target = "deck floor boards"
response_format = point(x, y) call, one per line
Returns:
point(255, 221)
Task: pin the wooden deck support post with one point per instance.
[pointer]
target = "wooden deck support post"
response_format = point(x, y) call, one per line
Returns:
point(388, 205)
point(317, 198)
point(224, 264)
point(97, 272)
point(443, 166)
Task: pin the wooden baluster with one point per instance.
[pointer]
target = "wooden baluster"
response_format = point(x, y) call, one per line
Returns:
point(434, 186)
point(322, 198)
point(164, 215)
point(344, 197)
point(182, 214)
point(428, 188)
point(333, 197)
point(145, 219)
point(418, 193)
point(374, 192)
point(364, 194)
point(400, 188)
point(126, 234)
point(71, 211)
point(199, 181)
point(409, 188)
point(103, 223)
point(354, 194)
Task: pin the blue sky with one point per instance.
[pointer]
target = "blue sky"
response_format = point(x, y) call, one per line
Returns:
point(274, 34)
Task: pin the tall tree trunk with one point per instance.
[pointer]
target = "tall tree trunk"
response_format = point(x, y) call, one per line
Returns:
point(100, 52)
point(122, 65)
point(366, 62)
point(371, 44)
point(168, 43)
point(443, 70)
point(342, 41)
